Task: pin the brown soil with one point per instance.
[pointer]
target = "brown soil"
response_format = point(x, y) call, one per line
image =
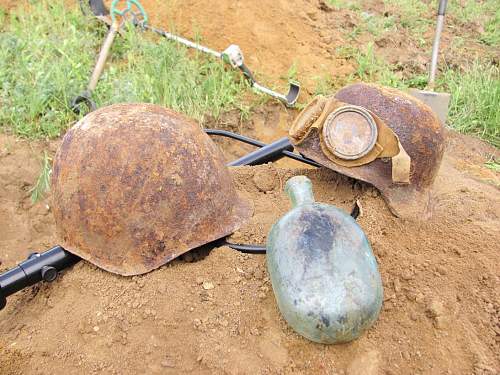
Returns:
point(440, 315)
point(441, 312)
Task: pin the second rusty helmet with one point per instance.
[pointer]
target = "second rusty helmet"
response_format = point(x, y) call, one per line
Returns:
point(136, 185)
point(361, 128)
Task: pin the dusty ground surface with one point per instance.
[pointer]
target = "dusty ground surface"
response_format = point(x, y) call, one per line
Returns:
point(440, 314)
point(441, 310)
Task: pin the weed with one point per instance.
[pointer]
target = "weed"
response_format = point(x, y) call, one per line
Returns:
point(491, 35)
point(324, 84)
point(471, 12)
point(374, 69)
point(412, 15)
point(48, 52)
point(493, 165)
point(42, 185)
point(3, 15)
point(343, 4)
point(292, 72)
point(475, 94)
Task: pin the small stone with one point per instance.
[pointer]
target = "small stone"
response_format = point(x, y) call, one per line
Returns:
point(204, 296)
point(373, 192)
point(140, 282)
point(207, 285)
point(435, 308)
point(407, 275)
point(437, 312)
point(419, 298)
point(389, 297)
point(312, 15)
point(199, 280)
point(258, 274)
point(440, 322)
point(265, 179)
point(96, 329)
point(135, 304)
point(367, 363)
point(264, 288)
point(255, 331)
point(441, 270)
point(167, 363)
point(397, 285)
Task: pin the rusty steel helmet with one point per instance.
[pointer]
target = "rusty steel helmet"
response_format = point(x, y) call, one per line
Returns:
point(378, 135)
point(136, 185)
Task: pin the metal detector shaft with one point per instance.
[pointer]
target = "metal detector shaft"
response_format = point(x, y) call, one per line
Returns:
point(235, 58)
point(266, 154)
point(181, 40)
point(103, 56)
point(86, 96)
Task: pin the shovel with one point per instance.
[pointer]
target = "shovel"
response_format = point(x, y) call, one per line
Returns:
point(437, 101)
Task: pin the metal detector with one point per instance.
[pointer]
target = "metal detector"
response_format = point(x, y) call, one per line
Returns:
point(231, 55)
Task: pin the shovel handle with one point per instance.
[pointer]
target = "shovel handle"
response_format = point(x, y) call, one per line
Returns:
point(442, 7)
point(435, 45)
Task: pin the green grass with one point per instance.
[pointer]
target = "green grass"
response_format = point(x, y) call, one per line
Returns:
point(475, 98)
point(47, 54)
point(475, 90)
point(493, 165)
point(43, 182)
point(412, 14)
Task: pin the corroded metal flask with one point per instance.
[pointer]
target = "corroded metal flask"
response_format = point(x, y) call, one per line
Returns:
point(323, 271)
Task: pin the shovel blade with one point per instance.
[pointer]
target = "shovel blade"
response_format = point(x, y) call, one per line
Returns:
point(438, 101)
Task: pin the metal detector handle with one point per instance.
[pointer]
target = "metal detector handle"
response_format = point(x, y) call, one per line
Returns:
point(39, 266)
point(435, 45)
point(266, 154)
point(254, 142)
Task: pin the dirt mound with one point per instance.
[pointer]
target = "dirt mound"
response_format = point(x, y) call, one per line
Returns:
point(273, 35)
point(218, 315)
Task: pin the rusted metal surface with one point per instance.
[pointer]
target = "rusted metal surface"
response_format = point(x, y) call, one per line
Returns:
point(136, 185)
point(421, 135)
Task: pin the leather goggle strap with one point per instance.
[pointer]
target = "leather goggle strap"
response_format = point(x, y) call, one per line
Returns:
point(307, 120)
point(313, 116)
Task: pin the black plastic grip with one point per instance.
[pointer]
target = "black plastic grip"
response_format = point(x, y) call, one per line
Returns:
point(38, 267)
point(266, 154)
